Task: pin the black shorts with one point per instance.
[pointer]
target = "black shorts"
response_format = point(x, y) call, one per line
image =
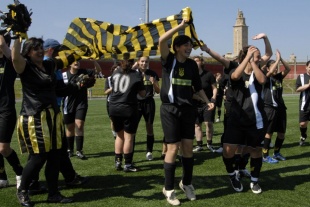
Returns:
point(276, 120)
point(7, 125)
point(146, 108)
point(245, 136)
point(304, 116)
point(203, 115)
point(178, 122)
point(78, 114)
point(128, 124)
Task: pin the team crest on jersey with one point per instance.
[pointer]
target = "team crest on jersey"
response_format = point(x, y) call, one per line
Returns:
point(278, 85)
point(1, 70)
point(181, 71)
point(246, 84)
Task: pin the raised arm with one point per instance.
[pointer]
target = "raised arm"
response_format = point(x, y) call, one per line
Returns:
point(236, 75)
point(215, 55)
point(274, 66)
point(19, 62)
point(4, 47)
point(163, 45)
point(268, 50)
point(287, 68)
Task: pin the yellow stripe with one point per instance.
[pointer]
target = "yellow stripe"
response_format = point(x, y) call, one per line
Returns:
point(96, 43)
point(181, 82)
point(32, 135)
point(60, 130)
point(46, 132)
point(20, 133)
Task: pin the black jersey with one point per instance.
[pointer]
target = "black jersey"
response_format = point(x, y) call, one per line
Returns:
point(107, 85)
point(304, 98)
point(39, 88)
point(247, 106)
point(78, 99)
point(227, 71)
point(185, 77)
point(123, 98)
point(7, 79)
point(207, 80)
point(149, 88)
point(220, 85)
point(273, 90)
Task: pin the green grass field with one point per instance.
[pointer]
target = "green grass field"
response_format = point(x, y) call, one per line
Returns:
point(284, 184)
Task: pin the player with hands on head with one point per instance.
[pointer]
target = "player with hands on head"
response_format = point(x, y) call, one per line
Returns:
point(247, 119)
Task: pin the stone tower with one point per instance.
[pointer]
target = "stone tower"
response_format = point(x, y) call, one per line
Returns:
point(240, 33)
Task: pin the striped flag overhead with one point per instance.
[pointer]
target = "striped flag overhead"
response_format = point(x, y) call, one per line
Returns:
point(95, 39)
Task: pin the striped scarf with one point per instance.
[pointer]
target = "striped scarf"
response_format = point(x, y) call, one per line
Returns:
point(94, 39)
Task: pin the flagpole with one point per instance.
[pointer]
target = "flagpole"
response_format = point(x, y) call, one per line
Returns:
point(146, 11)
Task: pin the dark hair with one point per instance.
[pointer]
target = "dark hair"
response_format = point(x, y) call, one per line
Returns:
point(126, 65)
point(243, 53)
point(269, 63)
point(181, 40)
point(114, 66)
point(308, 62)
point(31, 43)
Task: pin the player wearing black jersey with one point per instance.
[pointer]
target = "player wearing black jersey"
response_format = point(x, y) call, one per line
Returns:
point(247, 118)
point(275, 108)
point(146, 105)
point(75, 108)
point(123, 107)
point(7, 113)
point(40, 124)
point(220, 85)
point(204, 115)
point(303, 86)
point(107, 91)
point(179, 77)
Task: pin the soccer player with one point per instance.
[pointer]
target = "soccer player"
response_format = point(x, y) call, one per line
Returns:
point(123, 109)
point(246, 121)
point(303, 86)
point(179, 77)
point(7, 113)
point(147, 104)
point(75, 108)
point(275, 108)
point(208, 83)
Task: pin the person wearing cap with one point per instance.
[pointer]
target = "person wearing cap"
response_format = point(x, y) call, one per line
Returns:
point(7, 113)
point(51, 48)
point(40, 124)
point(179, 78)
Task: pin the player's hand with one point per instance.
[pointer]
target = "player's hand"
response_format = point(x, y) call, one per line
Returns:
point(210, 106)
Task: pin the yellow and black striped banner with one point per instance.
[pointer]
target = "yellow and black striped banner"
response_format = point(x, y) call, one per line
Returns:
point(94, 39)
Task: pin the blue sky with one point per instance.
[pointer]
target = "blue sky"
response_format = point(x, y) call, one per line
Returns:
point(285, 22)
